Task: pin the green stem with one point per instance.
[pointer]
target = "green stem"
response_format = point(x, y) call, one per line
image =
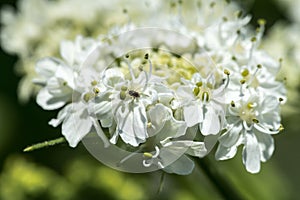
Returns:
point(221, 183)
point(45, 144)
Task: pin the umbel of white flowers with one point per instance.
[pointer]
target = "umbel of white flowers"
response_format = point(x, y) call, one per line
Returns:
point(217, 83)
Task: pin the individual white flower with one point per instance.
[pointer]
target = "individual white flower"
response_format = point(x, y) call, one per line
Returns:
point(58, 76)
point(58, 81)
point(251, 122)
point(129, 99)
point(202, 101)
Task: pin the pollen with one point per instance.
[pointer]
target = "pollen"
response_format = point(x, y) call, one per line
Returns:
point(253, 39)
point(123, 88)
point(94, 83)
point(281, 128)
point(245, 72)
point(227, 72)
point(243, 81)
point(88, 96)
point(196, 91)
point(149, 124)
point(261, 22)
point(96, 90)
point(280, 99)
point(251, 105)
point(148, 155)
point(232, 104)
point(122, 95)
point(199, 84)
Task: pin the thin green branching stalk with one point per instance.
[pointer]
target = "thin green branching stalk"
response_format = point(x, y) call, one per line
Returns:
point(221, 183)
point(45, 144)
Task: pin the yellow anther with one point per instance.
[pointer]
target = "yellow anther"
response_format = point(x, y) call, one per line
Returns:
point(122, 95)
point(253, 39)
point(149, 124)
point(199, 84)
point(146, 56)
point(233, 58)
point(261, 22)
point(196, 91)
point(243, 81)
point(255, 120)
point(225, 19)
point(232, 104)
point(88, 96)
point(65, 83)
point(148, 155)
point(250, 105)
point(123, 88)
point(281, 128)
point(94, 82)
point(227, 72)
point(280, 99)
point(259, 66)
point(239, 14)
point(209, 85)
point(96, 90)
point(245, 72)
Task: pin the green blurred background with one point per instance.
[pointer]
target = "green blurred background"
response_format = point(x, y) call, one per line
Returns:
point(61, 172)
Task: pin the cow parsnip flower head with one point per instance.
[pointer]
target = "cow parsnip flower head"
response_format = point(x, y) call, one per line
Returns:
point(143, 99)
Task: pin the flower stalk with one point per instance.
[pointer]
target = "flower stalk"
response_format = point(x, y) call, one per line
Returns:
point(49, 143)
point(219, 181)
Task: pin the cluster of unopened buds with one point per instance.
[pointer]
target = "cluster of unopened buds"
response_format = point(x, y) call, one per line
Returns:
point(142, 99)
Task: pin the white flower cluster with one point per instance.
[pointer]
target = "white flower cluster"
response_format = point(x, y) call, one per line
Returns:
point(169, 91)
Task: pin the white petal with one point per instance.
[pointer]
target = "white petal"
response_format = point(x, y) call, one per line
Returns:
point(231, 136)
point(187, 146)
point(185, 92)
point(266, 146)
point(49, 102)
point(211, 124)
point(76, 125)
point(224, 153)
point(158, 115)
point(67, 51)
point(172, 128)
point(251, 154)
point(140, 122)
point(47, 67)
point(260, 128)
point(132, 124)
point(192, 114)
point(61, 116)
point(101, 108)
